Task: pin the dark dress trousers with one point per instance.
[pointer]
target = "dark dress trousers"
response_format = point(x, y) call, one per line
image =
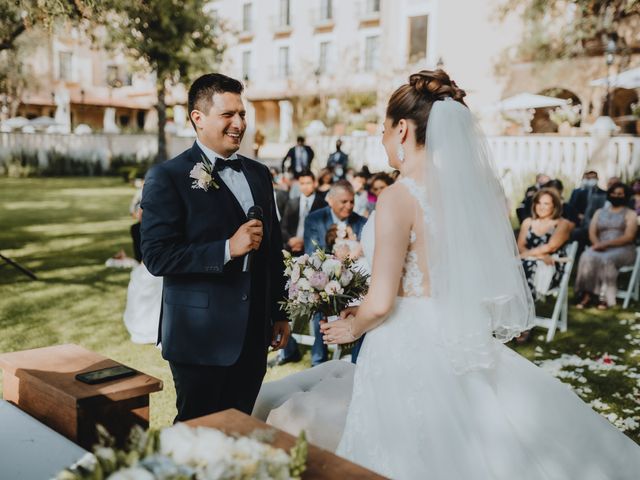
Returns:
point(216, 319)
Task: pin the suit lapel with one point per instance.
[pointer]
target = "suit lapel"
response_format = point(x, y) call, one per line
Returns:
point(198, 155)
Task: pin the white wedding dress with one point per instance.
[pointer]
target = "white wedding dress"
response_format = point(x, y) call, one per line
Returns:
point(412, 416)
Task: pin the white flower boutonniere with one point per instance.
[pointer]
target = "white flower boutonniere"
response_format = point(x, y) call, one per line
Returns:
point(202, 174)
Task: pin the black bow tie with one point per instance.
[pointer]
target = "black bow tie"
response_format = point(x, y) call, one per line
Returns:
point(221, 164)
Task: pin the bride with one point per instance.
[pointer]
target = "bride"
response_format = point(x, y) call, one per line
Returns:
point(436, 393)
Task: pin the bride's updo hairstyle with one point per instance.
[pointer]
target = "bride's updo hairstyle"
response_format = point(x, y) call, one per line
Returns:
point(413, 100)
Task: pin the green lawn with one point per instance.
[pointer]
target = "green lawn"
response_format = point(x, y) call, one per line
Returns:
point(64, 230)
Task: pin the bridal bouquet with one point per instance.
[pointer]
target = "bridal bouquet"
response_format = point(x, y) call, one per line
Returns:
point(320, 282)
point(182, 452)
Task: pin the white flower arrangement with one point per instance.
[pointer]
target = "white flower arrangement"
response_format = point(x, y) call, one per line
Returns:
point(566, 113)
point(182, 452)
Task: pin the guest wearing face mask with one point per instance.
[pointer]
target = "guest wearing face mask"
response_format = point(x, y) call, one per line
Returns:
point(581, 196)
point(612, 233)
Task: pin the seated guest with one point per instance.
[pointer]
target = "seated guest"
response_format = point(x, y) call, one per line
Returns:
point(379, 182)
point(542, 235)
point(596, 201)
point(580, 196)
point(524, 208)
point(612, 233)
point(296, 211)
point(636, 196)
point(325, 180)
point(340, 211)
point(361, 199)
point(568, 211)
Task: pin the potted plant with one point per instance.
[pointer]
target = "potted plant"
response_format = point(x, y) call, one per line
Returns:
point(566, 117)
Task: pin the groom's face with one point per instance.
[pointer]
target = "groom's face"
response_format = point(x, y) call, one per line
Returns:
point(223, 127)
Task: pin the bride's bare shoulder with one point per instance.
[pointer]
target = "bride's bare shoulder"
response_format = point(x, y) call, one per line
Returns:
point(393, 201)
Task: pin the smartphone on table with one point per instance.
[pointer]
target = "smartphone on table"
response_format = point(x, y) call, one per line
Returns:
point(105, 374)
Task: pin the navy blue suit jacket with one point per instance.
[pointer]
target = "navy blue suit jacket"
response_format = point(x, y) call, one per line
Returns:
point(205, 303)
point(317, 224)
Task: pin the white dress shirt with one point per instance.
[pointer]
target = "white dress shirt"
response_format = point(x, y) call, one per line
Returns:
point(237, 183)
point(304, 209)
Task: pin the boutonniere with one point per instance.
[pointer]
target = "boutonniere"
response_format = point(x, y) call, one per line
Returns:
point(202, 174)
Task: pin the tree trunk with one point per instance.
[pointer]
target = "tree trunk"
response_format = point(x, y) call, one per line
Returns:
point(162, 121)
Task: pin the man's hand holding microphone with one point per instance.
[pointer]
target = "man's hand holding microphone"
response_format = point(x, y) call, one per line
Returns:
point(246, 240)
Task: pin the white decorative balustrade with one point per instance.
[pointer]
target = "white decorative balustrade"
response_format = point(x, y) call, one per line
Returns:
point(93, 147)
point(517, 158)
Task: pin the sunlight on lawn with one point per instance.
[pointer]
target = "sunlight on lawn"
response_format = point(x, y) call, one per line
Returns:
point(65, 228)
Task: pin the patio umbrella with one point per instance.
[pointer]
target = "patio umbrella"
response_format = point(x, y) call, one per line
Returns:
point(629, 79)
point(525, 101)
point(15, 122)
point(43, 122)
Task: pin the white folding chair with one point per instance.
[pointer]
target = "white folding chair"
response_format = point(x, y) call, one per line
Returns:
point(633, 288)
point(561, 308)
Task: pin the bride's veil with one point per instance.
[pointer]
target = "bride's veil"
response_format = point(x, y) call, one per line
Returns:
point(477, 280)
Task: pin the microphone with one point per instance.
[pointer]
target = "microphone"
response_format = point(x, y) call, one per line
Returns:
point(254, 213)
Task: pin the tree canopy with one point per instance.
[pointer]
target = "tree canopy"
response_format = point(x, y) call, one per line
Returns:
point(568, 28)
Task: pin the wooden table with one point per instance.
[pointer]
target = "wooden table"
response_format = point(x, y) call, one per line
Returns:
point(42, 383)
point(321, 464)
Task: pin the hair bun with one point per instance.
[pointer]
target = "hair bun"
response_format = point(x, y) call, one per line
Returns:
point(437, 85)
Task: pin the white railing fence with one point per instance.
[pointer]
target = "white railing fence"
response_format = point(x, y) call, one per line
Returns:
point(94, 147)
point(517, 158)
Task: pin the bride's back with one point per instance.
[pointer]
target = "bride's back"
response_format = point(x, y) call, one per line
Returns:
point(401, 220)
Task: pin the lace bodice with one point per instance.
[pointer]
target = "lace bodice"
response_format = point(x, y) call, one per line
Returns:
point(413, 277)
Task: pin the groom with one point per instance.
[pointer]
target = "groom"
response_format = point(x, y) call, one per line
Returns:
point(222, 269)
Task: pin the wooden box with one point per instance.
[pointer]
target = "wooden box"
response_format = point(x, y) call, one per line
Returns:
point(42, 383)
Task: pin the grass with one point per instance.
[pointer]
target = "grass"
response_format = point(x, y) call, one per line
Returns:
point(65, 228)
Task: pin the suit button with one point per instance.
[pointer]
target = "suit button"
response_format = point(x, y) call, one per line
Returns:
point(245, 297)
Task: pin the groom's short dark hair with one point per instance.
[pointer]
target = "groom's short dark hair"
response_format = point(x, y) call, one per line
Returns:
point(202, 89)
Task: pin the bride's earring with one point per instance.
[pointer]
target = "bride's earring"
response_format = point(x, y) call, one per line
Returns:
point(400, 153)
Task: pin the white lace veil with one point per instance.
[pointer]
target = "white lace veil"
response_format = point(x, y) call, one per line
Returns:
point(477, 279)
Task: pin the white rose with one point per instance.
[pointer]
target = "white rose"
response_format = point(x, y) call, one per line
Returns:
point(308, 272)
point(176, 442)
point(333, 288)
point(315, 261)
point(302, 259)
point(295, 273)
point(346, 278)
point(303, 284)
point(332, 267)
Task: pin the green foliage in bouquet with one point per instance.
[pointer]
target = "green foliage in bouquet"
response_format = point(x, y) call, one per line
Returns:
point(320, 283)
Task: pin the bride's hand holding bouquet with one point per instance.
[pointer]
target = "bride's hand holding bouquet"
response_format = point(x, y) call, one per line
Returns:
point(343, 330)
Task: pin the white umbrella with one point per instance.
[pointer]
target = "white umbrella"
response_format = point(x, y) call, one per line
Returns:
point(43, 122)
point(629, 79)
point(525, 101)
point(15, 122)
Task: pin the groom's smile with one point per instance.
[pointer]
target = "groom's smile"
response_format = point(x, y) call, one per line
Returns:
point(223, 127)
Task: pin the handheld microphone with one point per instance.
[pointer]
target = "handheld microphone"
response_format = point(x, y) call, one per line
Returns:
point(254, 213)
